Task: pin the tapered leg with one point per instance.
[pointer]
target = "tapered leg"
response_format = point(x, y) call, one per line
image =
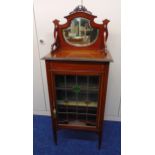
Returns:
point(99, 139)
point(55, 135)
point(55, 131)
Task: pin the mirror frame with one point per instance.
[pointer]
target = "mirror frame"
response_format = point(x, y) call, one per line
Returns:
point(60, 42)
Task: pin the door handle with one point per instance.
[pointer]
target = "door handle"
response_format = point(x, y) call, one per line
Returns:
point(54, 113)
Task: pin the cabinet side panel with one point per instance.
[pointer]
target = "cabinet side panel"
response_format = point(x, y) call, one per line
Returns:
point(103, 91)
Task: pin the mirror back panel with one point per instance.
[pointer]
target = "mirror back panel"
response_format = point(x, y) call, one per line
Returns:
point(80, 32)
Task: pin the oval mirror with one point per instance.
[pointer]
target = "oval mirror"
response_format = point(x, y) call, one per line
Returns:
point(80, 33)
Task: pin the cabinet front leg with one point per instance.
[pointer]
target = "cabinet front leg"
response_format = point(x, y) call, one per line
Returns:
point(55, 136)
point(99, 139)
point(54, 131)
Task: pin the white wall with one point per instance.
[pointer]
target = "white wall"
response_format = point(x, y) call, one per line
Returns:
point(38, 91)
point(47, 10)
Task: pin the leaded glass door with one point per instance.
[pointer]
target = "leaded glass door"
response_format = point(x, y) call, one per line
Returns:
point(77, 99)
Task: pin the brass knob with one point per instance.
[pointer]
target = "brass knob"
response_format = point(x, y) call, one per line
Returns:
point(54, 113)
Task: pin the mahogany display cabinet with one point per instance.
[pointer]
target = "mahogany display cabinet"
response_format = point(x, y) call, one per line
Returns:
point(77, 73)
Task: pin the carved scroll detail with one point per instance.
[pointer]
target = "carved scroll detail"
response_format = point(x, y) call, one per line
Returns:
point(105, 33)
point(55, 44)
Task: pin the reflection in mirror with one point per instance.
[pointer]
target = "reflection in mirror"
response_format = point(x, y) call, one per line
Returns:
point(80, 33)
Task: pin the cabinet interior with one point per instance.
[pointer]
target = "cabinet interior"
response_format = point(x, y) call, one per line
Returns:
point(77, 99)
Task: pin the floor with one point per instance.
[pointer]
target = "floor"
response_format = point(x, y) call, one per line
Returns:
point(75, 142)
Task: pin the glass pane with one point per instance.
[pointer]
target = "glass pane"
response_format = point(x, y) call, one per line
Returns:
point(62, 118)
point(91, 119)
point(77, 99)
point(82, 110)
point(92, 110)
point(71, 109)
point(93, 96)
point(61, 108)
point(60, 94)
point(72, 117)
point(80, 32)
point(71, 96)
point(70, 81)
point(93, 82)
point(82, 81)
point(82, 96)
point(60, 81)
point(82, 117)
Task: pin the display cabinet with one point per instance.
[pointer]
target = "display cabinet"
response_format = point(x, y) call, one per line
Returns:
point(77, 73)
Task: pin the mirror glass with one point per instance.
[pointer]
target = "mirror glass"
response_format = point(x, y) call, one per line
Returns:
point(80, 33)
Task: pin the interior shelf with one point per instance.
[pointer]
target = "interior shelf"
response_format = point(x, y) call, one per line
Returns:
point(77, 103)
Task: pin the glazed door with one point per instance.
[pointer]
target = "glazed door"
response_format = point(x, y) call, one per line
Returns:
point(77, 99)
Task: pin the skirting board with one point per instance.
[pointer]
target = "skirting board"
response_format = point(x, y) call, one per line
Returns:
point(106, 117)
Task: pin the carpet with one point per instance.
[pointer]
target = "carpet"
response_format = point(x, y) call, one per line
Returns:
point(72, 142)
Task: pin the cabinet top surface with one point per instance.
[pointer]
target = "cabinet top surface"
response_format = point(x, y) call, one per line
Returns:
point(79, 55)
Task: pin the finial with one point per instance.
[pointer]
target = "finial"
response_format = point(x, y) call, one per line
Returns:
point(80, 8)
